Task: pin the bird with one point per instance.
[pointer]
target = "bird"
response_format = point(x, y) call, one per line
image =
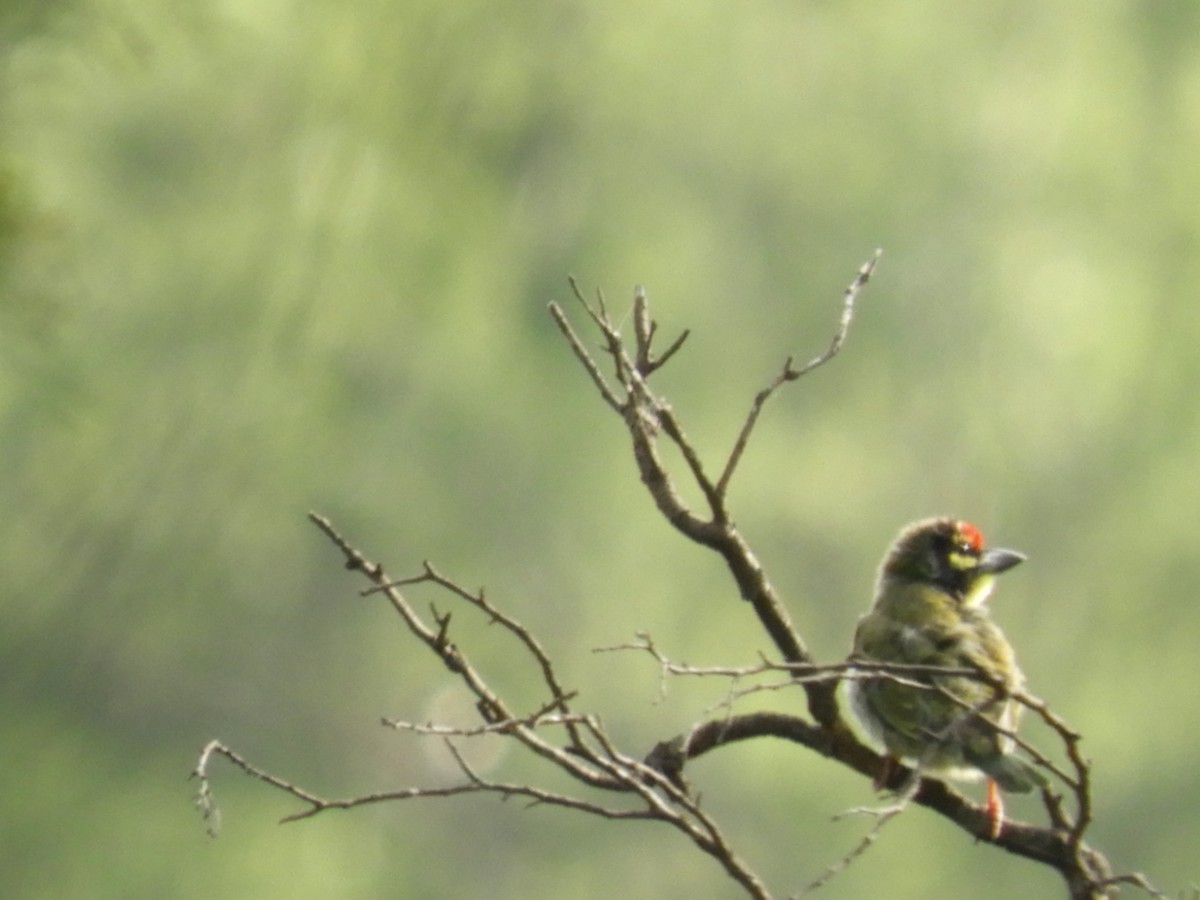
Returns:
point(930, 609)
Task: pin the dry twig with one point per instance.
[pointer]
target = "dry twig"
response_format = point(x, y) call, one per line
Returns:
point(653, 787)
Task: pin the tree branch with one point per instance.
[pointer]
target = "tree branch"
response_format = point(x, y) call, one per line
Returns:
point(588, 754)
point(615, 784)
point(1087, 872)
point(789, 373)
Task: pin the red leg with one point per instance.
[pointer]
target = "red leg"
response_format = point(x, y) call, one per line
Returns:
point(995, 810)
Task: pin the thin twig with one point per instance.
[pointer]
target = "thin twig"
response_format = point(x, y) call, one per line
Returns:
point(865, 271)
point(584, 357)
point(1081, 784)
point(570, 760)
point(882, 817)
point(789, 373)
point(502, 727)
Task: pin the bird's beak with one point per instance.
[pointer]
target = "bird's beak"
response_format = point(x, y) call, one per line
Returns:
point(999, 560)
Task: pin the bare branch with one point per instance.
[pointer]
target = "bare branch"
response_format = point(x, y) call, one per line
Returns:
point(590, 756)
point(584, 357)
point(503, 727)
point(882, 816)
point(789, 373)
point(645, 329)
point(848, 297)
point(480, 602)
point(575, 760)
point(645, 414)
point(673, 348)
point(1081, 785)
point(1058, 846)
point(577, 745)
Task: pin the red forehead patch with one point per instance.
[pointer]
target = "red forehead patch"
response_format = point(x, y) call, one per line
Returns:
point(971, 535)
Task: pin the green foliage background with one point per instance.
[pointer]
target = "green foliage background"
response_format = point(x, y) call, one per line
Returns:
point(262, 256)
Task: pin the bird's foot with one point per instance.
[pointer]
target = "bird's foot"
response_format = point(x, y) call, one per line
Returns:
point(994, 807)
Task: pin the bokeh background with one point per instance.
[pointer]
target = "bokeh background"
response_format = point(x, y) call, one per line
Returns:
point(262, 256)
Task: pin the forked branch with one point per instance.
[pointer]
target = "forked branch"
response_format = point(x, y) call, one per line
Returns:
point(646, 416)
point(573, 742)
point(612, 783)
point(790, 373)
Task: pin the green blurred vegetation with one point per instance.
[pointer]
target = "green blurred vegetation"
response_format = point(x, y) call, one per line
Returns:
point(260, 257)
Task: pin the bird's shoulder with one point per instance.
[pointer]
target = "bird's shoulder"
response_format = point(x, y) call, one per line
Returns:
point(901, 603)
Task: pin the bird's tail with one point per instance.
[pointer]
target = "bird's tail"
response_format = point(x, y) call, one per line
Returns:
point(1012, 773)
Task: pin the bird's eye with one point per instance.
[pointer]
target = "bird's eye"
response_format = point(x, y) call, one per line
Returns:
point(964, 548)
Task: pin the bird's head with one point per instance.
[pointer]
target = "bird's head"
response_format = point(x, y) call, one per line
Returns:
point(948, 554)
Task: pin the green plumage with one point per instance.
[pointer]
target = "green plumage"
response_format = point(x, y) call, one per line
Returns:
point(930, 609)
